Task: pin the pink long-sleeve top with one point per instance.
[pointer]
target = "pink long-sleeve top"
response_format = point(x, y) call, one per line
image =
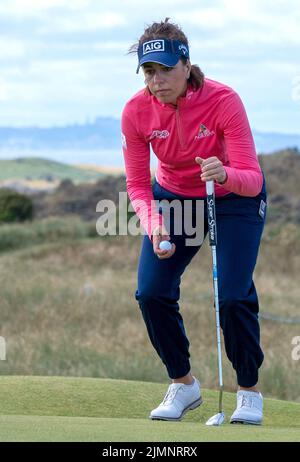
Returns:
point(210, 121)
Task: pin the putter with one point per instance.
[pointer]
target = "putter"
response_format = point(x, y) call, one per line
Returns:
point(217, 419)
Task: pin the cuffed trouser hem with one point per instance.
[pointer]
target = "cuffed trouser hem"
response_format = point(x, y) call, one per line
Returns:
point(247, 380)
point(177, 373)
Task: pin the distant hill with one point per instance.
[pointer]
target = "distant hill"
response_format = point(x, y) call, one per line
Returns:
point(108, 170)
point(77, 189)
point(267, 143)
point(281, 170)
point(25, 174)
point(104, 133)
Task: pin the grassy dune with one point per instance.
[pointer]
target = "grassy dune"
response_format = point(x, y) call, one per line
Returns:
point(85, 409)
point(109, 170)
point(105, 169)
point(34, 168)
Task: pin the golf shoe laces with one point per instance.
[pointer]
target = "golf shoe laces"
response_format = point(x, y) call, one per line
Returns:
point(171, 393)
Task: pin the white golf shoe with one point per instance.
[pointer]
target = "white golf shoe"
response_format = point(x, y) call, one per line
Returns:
point(179, 399)
point(249, 408)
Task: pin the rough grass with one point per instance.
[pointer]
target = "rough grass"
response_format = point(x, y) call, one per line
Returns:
point(68, 308)
point(53, 229)
point(81, 409)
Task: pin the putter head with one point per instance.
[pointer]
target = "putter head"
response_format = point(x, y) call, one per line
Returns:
point(216, 420)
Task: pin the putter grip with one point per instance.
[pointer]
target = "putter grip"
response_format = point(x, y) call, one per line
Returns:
point(211, 213)
point(210, 188)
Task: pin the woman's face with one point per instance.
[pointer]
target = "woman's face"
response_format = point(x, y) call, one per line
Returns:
point(167, 83)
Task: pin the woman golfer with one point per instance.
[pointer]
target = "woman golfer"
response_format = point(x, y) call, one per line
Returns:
point(199, 131)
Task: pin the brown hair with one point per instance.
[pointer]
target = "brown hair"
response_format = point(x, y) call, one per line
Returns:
point(165, 29)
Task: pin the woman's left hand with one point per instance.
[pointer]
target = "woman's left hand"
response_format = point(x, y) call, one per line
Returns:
point(212, 169)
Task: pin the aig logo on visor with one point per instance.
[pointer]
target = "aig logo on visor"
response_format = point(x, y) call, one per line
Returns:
point(153, 45)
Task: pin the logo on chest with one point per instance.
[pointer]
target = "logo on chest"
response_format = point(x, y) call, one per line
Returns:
point(203, 132)
point(162, 134)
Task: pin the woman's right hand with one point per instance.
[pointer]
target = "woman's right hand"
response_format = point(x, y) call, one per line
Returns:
point(161, 234)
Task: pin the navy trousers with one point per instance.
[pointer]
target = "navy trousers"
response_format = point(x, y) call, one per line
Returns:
point(240, 222)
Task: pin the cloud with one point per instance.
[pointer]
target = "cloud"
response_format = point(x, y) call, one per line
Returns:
point(4, 90)
point(251, 24)
point(12, 48)
point(68, 59)
point(86, 22)
point(36, 7)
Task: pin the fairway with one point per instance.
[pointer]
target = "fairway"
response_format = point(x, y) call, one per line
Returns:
point(86, 409)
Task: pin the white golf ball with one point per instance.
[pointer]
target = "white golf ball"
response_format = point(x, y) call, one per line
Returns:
point(165, 245)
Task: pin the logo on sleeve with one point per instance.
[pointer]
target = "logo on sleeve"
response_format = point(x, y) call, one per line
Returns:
point(123, 139)
point(203, 132)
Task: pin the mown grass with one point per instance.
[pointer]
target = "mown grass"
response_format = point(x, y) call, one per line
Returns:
point(81, 409)
point(67, 308)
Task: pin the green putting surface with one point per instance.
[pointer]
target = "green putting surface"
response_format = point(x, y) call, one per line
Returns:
point(86, 409)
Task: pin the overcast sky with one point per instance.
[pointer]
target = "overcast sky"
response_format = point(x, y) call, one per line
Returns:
point(65, 61)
